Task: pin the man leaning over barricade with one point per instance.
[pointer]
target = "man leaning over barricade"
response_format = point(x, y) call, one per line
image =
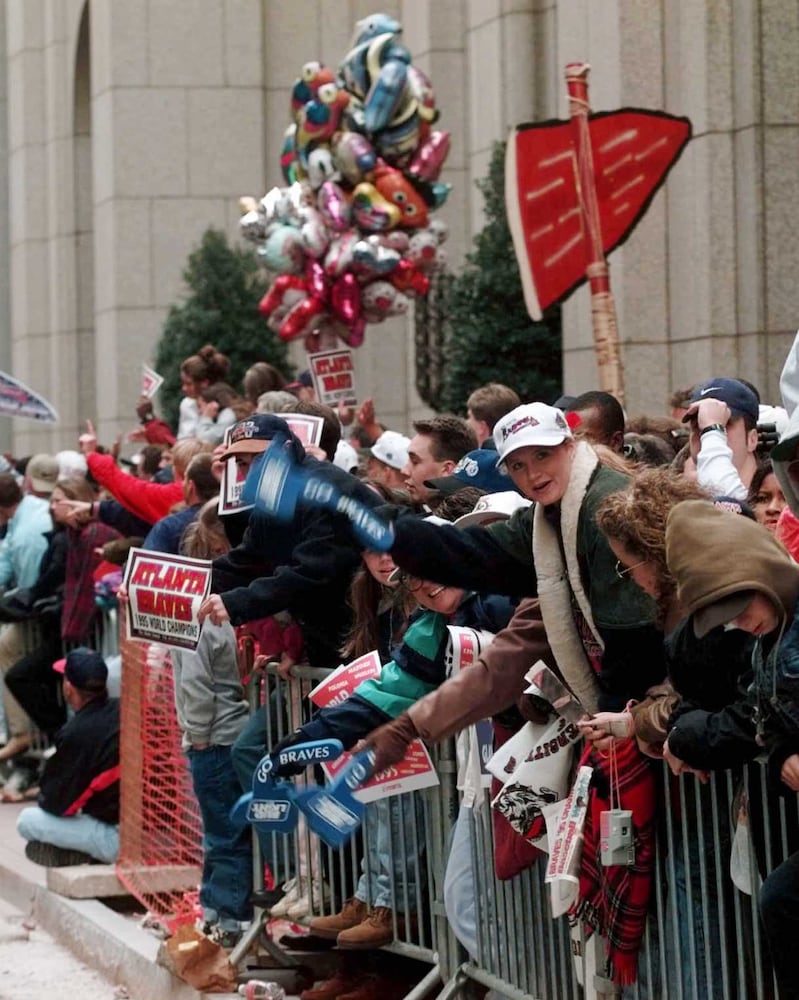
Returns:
point(303, 567)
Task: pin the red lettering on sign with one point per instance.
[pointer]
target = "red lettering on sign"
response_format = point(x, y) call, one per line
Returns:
point(152, 602)
point(181, 579)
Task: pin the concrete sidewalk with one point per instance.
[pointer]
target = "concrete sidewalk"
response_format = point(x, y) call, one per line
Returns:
point(105, 940)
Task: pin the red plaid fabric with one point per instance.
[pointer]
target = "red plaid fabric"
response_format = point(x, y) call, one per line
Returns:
point(614, 901)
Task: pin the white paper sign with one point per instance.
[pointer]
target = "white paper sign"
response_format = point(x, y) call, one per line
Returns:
point(333, 374)
point(413, 772)
point(165, 593)
point(151, 381)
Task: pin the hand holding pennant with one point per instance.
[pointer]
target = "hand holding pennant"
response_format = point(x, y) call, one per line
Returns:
point(277, 485)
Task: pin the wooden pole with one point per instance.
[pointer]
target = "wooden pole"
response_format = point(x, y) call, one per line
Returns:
point(603, 308)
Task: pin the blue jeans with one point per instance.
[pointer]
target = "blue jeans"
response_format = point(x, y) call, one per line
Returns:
point(227, 853)
point(779, 911)
point(393, 858)
point(74, 833)
point(246, 753)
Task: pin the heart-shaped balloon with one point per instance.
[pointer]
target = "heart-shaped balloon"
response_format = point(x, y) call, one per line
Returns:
point(373, 257)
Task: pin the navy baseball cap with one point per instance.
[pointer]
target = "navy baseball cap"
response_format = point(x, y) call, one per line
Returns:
point(739, 397)
point(84, 668)
point(476, 468)
point(252, 436)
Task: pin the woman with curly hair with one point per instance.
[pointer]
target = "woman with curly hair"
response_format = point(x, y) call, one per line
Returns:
point(634, 523)
point(701, 698)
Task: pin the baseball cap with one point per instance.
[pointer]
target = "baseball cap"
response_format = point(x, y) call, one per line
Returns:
point(252, 436)
point(530, 425)
point(739, 397)
point(303, 381)
point(42, 470)
point(494, 507)
point(391, 448)
point(721, 612)
point(346, 456)
point(84, 668)
point(71, 463)
point(476, 468)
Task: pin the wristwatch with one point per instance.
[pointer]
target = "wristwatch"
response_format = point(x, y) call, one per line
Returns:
point(713, 427)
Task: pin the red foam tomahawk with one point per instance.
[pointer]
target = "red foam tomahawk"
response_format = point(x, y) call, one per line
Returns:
point(574, 191)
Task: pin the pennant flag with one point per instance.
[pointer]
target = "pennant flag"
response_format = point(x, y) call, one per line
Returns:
point(17, 400)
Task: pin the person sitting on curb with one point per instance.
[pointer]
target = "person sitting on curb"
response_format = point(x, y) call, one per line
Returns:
point(77, 818)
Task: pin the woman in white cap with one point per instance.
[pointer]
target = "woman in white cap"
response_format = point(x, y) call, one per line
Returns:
point(599, 625)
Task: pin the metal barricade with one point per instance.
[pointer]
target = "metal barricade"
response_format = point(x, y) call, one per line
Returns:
point(703, 938)
point(403, 841)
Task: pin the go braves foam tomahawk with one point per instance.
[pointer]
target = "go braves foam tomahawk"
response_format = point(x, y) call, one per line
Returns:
point(574, 191)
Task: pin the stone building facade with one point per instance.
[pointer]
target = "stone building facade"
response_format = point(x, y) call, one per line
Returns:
point(133, 125)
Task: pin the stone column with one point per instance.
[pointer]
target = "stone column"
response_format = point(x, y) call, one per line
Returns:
point(177, 106)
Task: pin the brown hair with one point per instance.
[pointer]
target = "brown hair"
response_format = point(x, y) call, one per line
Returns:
point(491, 402)
point(75, 488)
point(680, 399)
point(613, 460)
point(451, 437)
point(184, 451)
point(331, 430)
point(205, 538)
point(226, 396)
point(636, 518)
point(259, 378)
point(207, 365)
point(199, 471)
point(10, 492)
point(368, 598)
point(459, 503)
point(667, 429)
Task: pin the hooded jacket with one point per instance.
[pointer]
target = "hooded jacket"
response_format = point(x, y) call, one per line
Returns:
point(713, 556)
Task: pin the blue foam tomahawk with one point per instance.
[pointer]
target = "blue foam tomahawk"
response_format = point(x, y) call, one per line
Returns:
point(334, 813)
point(276, 484)
point(271, 806)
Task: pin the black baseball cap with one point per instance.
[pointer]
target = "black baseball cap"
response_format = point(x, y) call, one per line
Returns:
point(84, 668)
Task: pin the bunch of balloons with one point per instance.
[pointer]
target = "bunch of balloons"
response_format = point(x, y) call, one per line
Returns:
point(351, 236)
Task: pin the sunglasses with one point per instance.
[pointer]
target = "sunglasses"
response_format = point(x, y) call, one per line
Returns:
point(622, 570)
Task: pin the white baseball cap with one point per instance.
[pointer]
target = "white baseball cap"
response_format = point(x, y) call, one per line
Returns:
point(346, 456)
point(391, 448)
point(494, 507)
point(530, 425)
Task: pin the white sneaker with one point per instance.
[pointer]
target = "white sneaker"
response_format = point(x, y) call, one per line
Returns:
point(310, 903)
point(294, 890)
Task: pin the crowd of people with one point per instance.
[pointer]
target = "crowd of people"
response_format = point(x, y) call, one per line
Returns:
point(650, 562)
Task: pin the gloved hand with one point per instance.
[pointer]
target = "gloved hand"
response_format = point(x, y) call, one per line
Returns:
point(390, 742)
point(287, 769)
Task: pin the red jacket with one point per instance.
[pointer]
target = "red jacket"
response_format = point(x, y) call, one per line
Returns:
point(149, 501)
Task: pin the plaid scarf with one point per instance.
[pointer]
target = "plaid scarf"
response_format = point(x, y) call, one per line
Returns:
point(614, 901)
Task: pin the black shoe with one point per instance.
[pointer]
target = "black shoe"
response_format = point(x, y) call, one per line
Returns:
point(51, 856)
point(265, 899)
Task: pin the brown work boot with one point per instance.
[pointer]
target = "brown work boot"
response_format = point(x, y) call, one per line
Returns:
point(343, 981)
point(353, 912)
point(376, 987)
point(374, 931)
